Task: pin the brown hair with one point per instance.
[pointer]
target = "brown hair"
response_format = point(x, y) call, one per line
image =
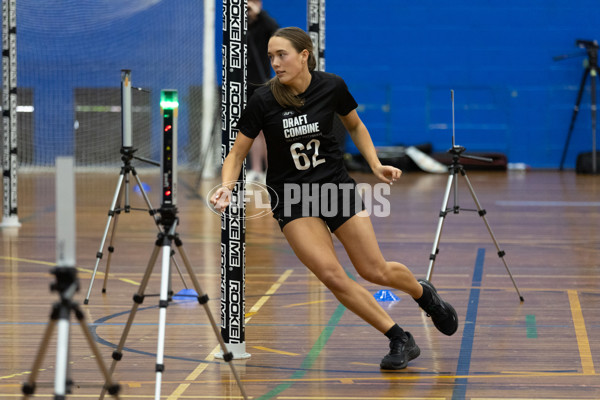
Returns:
point(300, 41)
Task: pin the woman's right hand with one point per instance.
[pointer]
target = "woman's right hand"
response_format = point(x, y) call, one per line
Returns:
point(221, 198)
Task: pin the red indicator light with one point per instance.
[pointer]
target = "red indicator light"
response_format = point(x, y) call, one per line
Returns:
point(168, 128)
point(168, 193)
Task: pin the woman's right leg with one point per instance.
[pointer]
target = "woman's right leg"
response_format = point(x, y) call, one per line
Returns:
point(311, 241)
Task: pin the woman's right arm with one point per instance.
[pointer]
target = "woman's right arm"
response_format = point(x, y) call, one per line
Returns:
point(231, 171)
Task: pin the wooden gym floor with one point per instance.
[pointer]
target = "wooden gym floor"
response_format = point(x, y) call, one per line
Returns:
point(303, 344)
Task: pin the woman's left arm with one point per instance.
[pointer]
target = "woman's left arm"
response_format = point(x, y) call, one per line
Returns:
point(361, 138)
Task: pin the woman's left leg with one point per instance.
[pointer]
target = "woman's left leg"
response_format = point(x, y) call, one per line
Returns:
point(358, 237)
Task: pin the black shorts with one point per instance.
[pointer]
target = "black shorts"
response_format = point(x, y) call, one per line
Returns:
point(333, 203)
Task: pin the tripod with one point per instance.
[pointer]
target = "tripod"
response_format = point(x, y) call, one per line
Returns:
point(66, 285)
point(590, 70)
point(127, 169)
point(167, 235)
point(453, 170)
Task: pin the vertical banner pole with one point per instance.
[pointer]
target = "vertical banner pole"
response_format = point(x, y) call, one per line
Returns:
point(209, 93)
point(233, 222)
point(316, 29)
point(9, 113)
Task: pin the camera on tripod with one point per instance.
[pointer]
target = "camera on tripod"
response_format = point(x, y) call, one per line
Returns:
point(587, 44)
point(586, 162)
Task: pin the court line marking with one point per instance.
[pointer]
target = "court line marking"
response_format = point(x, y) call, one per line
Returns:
point(466, 345)
point(357, 398)
point(285, 353)
point(53, 264)
point(303, 398)
point(314, 352)
point(579, 322)
point(311, 357)
point(176, 394)
point(306, 303)
point(27, 260)
point(583, 343)
point(531, 326)
point(403, 375)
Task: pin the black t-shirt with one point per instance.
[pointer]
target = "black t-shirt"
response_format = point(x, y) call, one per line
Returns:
point(259, 67)
point(301, 147)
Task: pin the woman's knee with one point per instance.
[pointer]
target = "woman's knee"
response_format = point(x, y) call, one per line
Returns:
point(375, 272)
point(332, 276)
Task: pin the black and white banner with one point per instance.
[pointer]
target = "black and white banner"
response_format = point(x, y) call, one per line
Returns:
point(316, 30)
point(233, 223)
point(9, 112)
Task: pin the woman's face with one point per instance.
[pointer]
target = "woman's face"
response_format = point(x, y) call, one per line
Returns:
point(287, 63)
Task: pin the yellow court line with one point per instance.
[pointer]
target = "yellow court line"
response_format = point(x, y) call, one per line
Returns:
point(27, 260)
point(52, 264)
point(131, 396)
point(100, 273)
point(394, 376)
point(194, 375)
point(581, 333)
point(306, 304)
point(269, 292)
point(359, 398)
point(19, 374)
point(285, 353)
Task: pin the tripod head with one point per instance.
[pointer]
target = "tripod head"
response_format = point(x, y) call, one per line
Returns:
point(587, 44)
point(66, 283)
point(457, 154)
point(591, 50)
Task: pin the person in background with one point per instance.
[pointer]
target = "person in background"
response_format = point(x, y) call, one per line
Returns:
point(260, 28)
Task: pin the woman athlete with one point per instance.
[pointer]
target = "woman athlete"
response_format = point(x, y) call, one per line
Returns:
point(295, 110)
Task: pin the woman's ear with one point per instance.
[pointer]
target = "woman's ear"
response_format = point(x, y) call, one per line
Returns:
point(305, 55)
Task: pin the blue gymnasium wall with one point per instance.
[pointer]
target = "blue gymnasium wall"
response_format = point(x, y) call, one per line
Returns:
point(67, 44)
point(401, 58)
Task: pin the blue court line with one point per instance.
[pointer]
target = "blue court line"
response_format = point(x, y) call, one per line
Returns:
point(466, 345)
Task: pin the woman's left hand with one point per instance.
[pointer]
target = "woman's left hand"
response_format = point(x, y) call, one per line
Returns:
point(387, 173)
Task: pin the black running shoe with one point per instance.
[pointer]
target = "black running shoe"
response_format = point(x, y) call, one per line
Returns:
point(442, 313)
point(401, 352)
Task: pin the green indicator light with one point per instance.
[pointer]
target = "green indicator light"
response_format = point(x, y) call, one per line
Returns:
point(168, 99)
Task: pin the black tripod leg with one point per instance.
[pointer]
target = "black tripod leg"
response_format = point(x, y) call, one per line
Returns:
point(29, 386)
point(147, 200)
point(438, 232)
point(111, 247)
point(203, 300)
point(112, 388)
point(574, 116)
point(145, 196)
point(138, 299)
point(482, 213)
point(111, 213)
